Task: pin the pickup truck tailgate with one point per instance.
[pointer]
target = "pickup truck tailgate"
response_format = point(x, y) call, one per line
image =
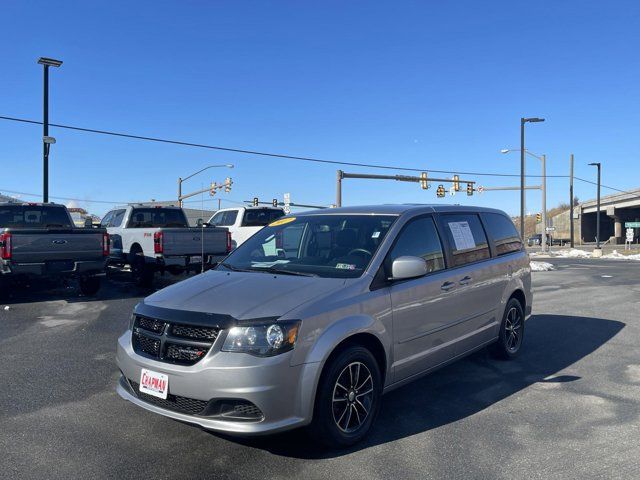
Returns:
point(194, 241)
point(48, 245)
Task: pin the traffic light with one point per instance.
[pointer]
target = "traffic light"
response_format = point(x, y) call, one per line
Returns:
point(456, 183)
point(213, 188)
point(255, 201)
point(440, 191)
point(470, 189)
point(227, 184)
point(274, 202)
point(538, 217)
point(423, 181)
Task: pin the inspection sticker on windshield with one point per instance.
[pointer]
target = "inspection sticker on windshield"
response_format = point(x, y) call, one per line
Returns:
point(282, 221)
point(375, 234)
point(154, 383)
point(346, 266)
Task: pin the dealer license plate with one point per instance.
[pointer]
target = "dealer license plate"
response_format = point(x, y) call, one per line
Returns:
point(154, 383)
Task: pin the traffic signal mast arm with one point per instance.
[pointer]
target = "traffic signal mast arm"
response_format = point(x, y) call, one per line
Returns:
point(401, 178)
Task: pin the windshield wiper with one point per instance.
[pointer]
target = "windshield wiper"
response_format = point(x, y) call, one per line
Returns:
point(48, 225)
point(233, 268)
point(286, 272)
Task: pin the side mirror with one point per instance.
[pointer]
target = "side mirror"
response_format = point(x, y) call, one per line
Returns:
point(406, 267)
point(88, 223)
point(200, 223)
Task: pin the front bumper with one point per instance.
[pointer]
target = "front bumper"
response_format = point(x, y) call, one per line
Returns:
point(282, 392)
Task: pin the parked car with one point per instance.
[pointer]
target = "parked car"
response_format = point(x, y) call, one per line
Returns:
point(551, 240)
point(40, 241)
point(149, 239)
point(243, 222)
point(363, 300)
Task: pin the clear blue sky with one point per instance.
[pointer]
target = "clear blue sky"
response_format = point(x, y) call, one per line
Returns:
point(432, 85)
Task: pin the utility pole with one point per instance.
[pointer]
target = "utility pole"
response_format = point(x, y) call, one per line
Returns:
point(571, 199)
point(544, 202)
point(340, 174)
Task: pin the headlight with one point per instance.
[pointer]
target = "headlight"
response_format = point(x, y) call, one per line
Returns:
point(263, 340)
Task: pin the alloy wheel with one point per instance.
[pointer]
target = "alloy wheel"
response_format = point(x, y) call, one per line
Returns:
point(513, 329)
point(352, 397)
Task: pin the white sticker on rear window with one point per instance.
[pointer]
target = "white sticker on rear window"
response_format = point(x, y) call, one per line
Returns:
point(462, 235)
point(346, 266)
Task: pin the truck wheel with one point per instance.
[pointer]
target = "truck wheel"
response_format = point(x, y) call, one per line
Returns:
point(142, 273)
point(348, 398)
point(89, 286)
point(511, 332)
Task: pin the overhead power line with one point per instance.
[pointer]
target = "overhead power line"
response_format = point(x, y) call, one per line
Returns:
point(267, 154)
point(283, 156)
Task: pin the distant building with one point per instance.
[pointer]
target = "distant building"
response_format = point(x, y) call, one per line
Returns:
point(8, 199)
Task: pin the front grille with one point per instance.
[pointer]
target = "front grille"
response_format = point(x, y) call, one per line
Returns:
point(185, 353)
point(197, 333)
point(150, 346)
point(150, 324)
point(172, 343)
point(190, 406)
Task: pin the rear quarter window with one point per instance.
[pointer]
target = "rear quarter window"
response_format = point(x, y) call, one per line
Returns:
point(466, 237)
point(503, 232)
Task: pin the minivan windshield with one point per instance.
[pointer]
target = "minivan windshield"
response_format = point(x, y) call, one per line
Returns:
point(323, 245)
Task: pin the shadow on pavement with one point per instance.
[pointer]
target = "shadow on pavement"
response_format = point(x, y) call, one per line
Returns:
point(113, 287)
point(552, 343)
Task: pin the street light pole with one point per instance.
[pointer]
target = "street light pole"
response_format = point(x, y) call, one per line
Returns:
point(524, 120)
point(522, 169)
point(46, 63)
point(180, 179)
point(599, 166)
point(544, 203)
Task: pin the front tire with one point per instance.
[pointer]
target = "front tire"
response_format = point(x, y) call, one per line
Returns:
point(511, 332)
point(347, 399)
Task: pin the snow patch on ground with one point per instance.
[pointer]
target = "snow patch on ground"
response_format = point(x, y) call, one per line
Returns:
point(618, 256)
point(541, 266)
point(572, 253)
point(576, 253)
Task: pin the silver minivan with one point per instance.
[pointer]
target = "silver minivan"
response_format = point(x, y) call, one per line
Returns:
point(317, 315)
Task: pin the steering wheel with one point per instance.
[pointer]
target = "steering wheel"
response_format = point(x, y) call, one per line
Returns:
point(359, 251)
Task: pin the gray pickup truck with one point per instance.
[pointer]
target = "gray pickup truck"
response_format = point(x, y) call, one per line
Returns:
point(148, 239)
point(41, 241)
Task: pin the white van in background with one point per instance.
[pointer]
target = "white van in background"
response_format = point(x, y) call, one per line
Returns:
point(243, 222)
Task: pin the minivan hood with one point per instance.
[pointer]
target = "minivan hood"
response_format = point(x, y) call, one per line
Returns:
point(242, 295)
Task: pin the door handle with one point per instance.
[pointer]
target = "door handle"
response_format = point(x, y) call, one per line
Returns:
point(465, 280)
point(446, 286)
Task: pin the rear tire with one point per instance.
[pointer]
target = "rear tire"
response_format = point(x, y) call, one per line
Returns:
point(347, 399)
point(142, 273)
point(89, 286)
point(511, 333)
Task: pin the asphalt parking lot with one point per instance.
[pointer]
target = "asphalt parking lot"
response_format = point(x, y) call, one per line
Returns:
point(568, 407)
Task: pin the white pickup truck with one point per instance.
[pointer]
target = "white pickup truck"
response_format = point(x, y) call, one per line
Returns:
point(148, 239)
point(243, 222)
